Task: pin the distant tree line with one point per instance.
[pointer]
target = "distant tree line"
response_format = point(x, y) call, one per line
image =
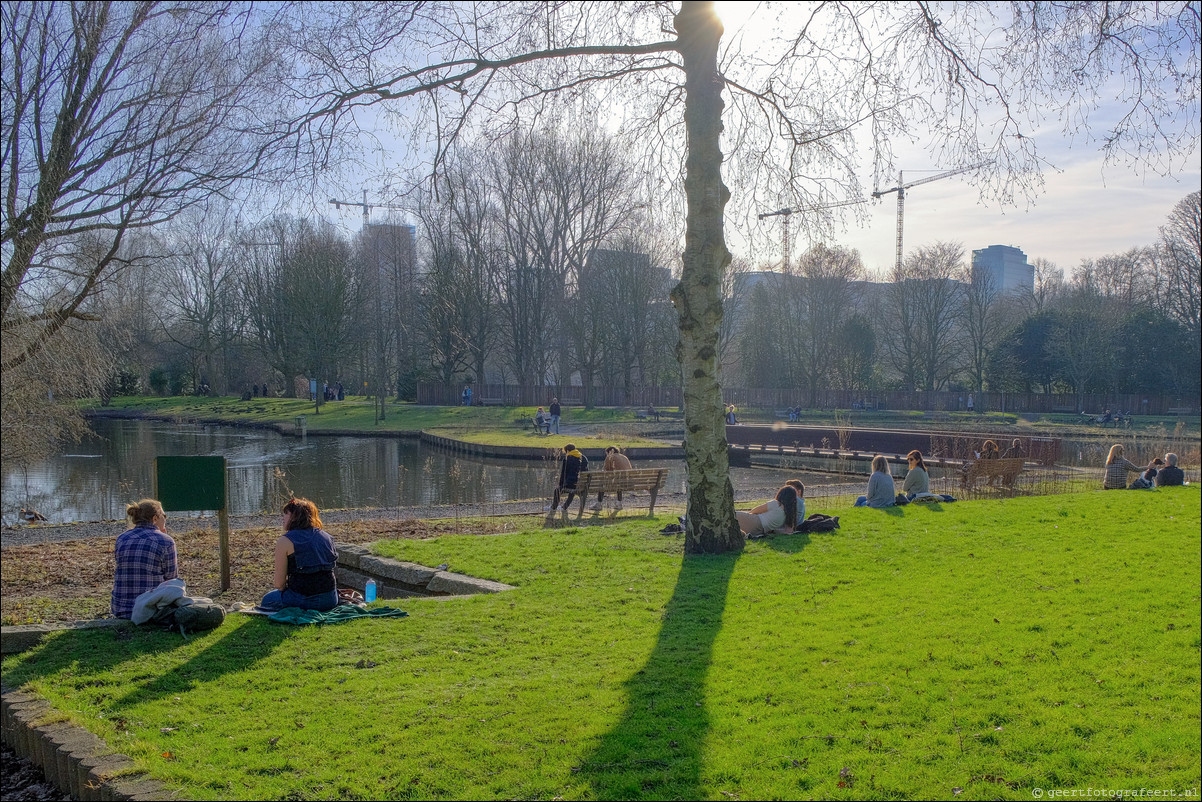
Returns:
point(534, 264)
point(1125, 322)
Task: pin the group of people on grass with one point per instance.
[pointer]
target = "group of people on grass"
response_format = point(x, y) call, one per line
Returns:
point(303, 563)
point(1158, 473)
point(917, 484)
point(304, 555)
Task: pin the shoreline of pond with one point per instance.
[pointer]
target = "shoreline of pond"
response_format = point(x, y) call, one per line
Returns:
point(452, 444)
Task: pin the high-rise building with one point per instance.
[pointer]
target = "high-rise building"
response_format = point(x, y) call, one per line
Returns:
point(1006, 266)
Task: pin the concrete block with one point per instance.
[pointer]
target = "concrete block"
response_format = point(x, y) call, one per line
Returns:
point(403, 572)
point(448, 583)
point(138, 786)
point(349, 578)
point(72, 751)
point(46, 749)
point(126, 786)
point(20, 638)
point(349, 555)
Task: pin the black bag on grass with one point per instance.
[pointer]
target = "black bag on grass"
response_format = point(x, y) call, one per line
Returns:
point(198, 617)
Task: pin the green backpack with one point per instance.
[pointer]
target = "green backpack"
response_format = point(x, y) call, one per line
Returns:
point(198, 617)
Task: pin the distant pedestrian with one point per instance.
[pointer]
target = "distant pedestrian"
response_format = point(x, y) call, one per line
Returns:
point(554, 416)
point(341, 392)
point(970, 404)
point(467, 395)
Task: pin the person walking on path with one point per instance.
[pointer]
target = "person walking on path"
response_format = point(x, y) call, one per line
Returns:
point(554, 416)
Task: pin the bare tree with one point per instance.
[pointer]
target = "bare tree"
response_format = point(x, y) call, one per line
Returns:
point(828, 298)
point(891, 68)
point(924, 299)
point(1180, 264)
point(201, 309)
point(1047, 286)
point(116, 116)
point(981, 320)
point(1082, 339)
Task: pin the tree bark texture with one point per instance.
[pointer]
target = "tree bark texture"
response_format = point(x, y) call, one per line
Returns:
point(711, 525)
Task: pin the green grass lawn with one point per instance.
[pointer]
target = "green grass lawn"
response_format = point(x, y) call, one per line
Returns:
point(358, 414)
point(995, 647)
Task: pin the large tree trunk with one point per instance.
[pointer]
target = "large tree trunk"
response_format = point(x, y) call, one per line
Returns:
point(711, 526)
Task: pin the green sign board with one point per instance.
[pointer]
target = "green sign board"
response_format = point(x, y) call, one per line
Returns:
point(190, 483)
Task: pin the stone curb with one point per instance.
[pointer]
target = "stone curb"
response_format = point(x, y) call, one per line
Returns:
point(75, 760)
point(400, 579)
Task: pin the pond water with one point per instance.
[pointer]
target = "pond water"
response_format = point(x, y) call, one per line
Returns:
point(95, 479)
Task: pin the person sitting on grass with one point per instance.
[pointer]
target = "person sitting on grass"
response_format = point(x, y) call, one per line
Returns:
point(1170, 474)
point(615, 460)
point(918, 480)
point(880, 486)
point(1147, 480)
point(304, 562)
point(1117, 468)
point(145, 556)
point(778, 516)
point(569, 473)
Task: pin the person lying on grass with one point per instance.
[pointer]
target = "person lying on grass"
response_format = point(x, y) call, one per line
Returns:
point(304, 562)
point(778, 516)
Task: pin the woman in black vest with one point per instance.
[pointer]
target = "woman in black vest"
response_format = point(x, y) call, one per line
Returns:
point(304, 562)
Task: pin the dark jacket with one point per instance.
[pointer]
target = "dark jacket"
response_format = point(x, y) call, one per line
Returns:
point(569, 472)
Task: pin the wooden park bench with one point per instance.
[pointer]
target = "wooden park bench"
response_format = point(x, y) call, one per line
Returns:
point(1007, 470)
point(641, 479)
point(492, 402)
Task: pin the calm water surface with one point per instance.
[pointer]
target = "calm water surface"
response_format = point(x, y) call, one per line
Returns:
point(95, 479)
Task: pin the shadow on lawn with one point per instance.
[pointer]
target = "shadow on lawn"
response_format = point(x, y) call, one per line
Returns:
point(655, 749)
point(236, 650)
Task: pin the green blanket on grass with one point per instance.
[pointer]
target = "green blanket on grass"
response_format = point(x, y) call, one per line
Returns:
point(340, 614)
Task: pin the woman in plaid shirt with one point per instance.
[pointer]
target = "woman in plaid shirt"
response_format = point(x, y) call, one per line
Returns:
point(1117, 468)
point(145, 556)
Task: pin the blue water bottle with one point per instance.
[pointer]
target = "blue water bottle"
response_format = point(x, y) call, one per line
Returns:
point(369, 590)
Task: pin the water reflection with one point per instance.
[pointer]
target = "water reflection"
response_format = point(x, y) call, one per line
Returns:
point(95, 479)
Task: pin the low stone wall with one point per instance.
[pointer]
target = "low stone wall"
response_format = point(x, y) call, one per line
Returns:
point(73, 759)
point(396, 579)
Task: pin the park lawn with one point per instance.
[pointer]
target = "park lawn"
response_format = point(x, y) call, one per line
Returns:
point(592, 438)
point(977, 649)
point(355, 414)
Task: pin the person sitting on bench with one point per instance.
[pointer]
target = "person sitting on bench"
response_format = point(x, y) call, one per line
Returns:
point(615, 460)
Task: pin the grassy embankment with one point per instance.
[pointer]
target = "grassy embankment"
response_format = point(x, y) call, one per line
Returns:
point(493, 425)
point(979, 650)
point(358, 414)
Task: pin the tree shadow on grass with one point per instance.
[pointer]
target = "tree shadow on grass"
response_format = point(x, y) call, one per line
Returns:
point(655, 750)
point(236, 650)
point(86, 652)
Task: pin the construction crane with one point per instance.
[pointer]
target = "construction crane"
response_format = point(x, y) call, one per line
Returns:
point(901, 188)
point(367, 207)
point(786, 213)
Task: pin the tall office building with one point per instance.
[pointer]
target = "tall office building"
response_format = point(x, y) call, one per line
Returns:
point(1006, 266)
